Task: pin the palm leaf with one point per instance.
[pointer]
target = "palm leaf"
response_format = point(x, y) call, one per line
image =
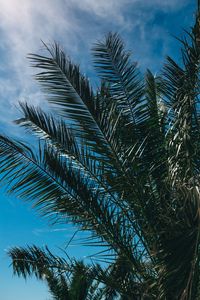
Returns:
point(112, 64)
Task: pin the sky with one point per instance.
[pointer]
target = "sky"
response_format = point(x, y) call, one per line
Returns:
point(147, 27)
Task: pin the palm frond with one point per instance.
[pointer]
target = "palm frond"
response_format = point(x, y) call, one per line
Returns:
point(112, 64)
point(100, 129)
point(64, 84)
point(60, 192)
point(32, 260)
point(58, 134)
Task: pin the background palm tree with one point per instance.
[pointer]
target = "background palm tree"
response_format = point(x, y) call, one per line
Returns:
point(121, 162)
point(66, 281)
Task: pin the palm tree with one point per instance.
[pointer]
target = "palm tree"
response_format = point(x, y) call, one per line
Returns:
point(121, 162)
point(66, 281)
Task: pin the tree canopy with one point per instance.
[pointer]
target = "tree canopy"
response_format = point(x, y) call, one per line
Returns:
point(121, 161)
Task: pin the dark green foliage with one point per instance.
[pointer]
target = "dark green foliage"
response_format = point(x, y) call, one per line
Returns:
point(66, 281)
point(122, 162)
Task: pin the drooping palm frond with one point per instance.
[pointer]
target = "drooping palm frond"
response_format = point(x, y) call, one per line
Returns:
point(66, 86)
point(61, 84)
point(65, 143)
point(32, 260)
point(59, 135)
point(66, 194)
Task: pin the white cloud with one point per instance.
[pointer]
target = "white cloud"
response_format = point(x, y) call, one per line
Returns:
point(107, 8)
point(74, 23)
point(104, 9)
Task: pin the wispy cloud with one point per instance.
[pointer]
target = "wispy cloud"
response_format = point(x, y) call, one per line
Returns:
point(75, 24)
point(41, 231)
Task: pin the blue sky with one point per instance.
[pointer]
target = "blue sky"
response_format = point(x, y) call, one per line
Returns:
point(146, 26)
